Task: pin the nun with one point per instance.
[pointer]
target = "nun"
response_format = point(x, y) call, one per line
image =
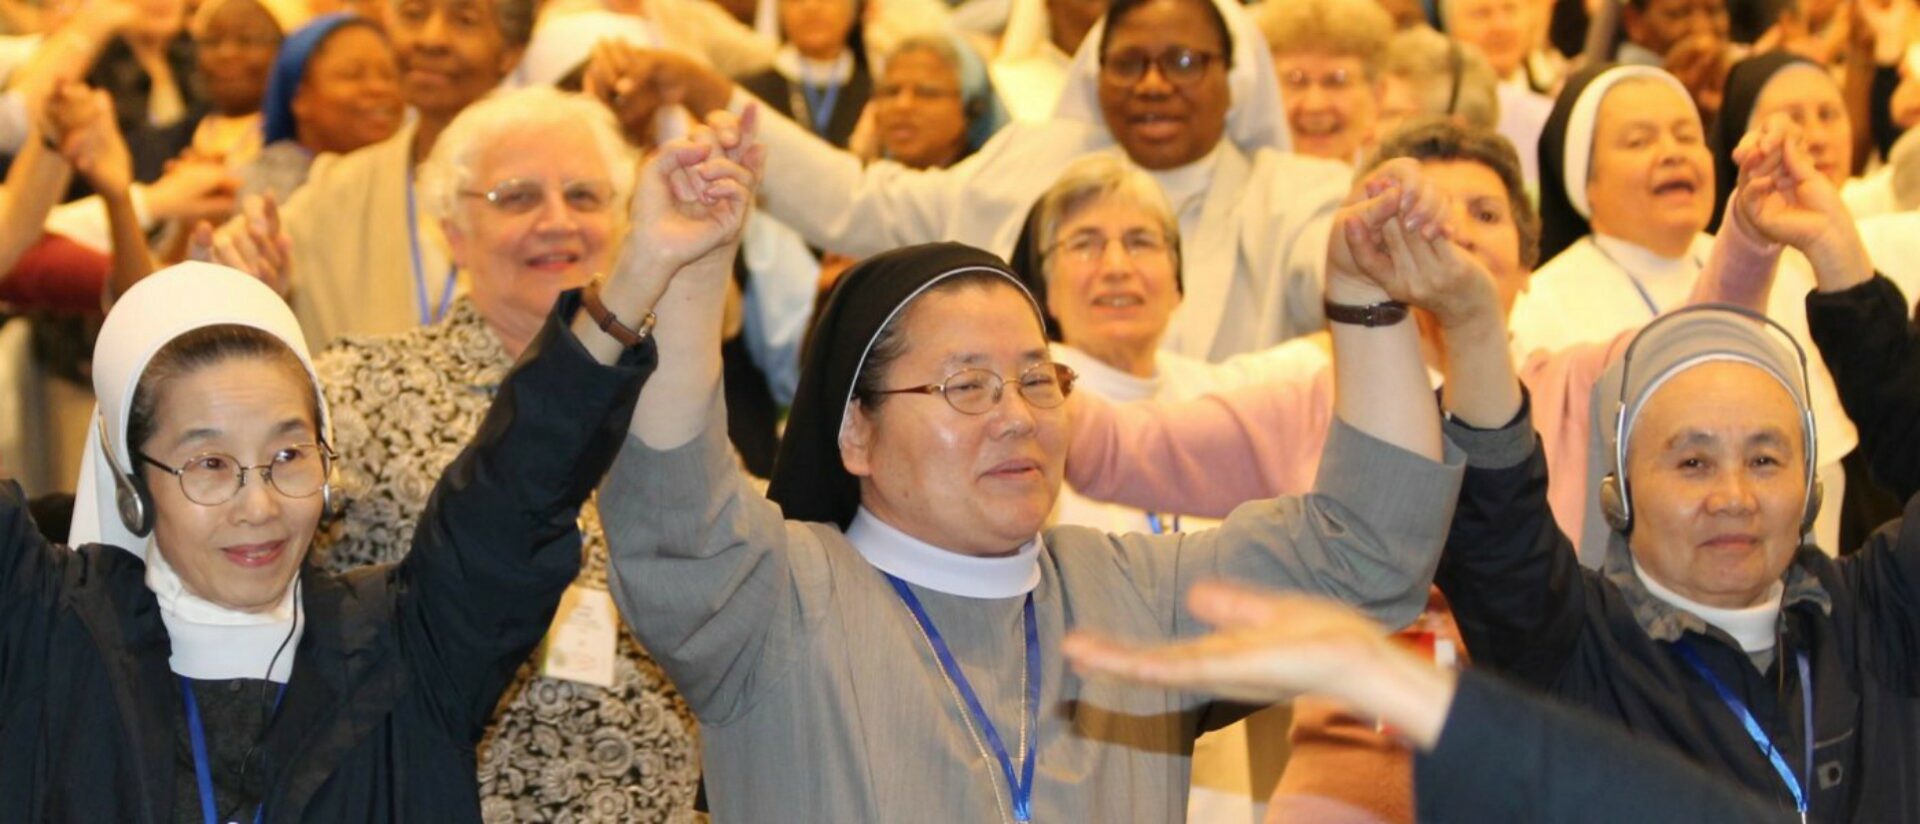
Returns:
point(1185, 88)
point(334, 88)
point(1715, 625)
point(185, 661)
point(1627, 187)
point(877, 638)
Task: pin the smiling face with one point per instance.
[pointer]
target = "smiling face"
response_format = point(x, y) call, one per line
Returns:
point(1331, 105)
point(1807, 95)
point(520, 263)
point(1111, 282)
point(918, 110)
point(450, 53)
point(1716, 466)
point(350, 96)
point(1164, 124)
point(974, 484)
point(241, 554)
point(817, 28)
point(1499, 29)
point(236, 50)
point(1651, 178)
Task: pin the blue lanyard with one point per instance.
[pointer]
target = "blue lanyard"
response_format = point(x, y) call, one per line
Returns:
point(1759, 735)
point(202, 766)
point(819, 105)
point(1159, 526)
point(419, 275)
point(1021, 789)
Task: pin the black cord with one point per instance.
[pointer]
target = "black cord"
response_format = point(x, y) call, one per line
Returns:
point(267, 710)
point(1454, 67)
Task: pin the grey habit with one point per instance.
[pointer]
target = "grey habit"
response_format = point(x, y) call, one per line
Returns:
point(821, 700)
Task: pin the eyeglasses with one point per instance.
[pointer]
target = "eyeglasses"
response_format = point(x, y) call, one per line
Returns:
point(1296, 80)
point(1091, 247)
point(213, 478)
point(1178, 66)
point(520, 196)
point(977, 391)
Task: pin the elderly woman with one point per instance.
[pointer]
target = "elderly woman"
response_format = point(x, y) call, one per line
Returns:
point(1328, 56)
point(1626, 188)
point(189, 612)
point(334, 88)
point(934, 105)
point(881, 637)
point(527, 186)
point(368, 260)
point(1713, 626)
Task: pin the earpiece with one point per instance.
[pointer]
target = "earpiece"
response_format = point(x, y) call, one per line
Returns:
point(1613, 505)
point(130, 494)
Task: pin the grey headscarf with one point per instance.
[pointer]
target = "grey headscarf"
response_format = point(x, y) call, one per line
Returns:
point(1674, 343)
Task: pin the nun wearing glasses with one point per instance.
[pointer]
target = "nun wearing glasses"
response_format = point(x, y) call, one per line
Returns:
point(877, 638)
point(185, 662)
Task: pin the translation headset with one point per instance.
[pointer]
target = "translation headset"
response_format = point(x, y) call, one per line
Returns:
point(1616, 502)
point(135, 503)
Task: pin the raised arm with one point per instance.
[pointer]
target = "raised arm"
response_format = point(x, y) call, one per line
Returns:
point(704, 566)
point(824, 193)
point(498, 542)
point(1370, 532)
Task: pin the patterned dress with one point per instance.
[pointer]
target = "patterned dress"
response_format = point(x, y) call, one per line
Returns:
point(558, 751)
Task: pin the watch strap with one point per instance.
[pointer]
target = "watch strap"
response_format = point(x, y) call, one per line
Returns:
point(597, 310)
point(1386, 313)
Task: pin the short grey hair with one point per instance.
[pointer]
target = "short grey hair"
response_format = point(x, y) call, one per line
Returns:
point(1428, 60)
point(534, 110)
point(1097, 178)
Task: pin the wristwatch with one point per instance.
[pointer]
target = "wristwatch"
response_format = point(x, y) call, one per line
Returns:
point(626, 335)
point(1387, 313)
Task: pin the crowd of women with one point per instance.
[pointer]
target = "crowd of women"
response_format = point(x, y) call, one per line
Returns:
point(1014, 410)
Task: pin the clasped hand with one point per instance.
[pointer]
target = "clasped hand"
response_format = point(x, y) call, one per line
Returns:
point(1394, 239)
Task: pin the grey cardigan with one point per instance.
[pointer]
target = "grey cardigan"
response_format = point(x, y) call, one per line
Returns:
point(820, 700)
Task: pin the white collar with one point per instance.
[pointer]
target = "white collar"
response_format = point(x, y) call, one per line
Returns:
point(1752, 627)
point(1646, 264)
point(918, 562)
point(213, 643)
point(798, 69)
point(1098, 377)
point(1184, 183)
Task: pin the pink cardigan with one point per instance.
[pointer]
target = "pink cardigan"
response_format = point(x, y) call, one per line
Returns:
point(1208, 455)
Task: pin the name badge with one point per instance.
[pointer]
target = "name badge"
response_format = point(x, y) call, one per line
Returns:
point(584, 639)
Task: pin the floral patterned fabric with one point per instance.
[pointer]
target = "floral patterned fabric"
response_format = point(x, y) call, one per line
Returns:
point(558, 751)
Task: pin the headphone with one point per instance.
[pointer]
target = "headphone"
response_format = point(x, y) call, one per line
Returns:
point(135, 503)
point(1616, 503)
